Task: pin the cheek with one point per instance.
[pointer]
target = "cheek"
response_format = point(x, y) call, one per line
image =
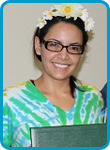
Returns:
point(76, 59)
point(45, 55)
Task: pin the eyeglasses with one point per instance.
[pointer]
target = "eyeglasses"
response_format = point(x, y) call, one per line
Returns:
point(55, 46)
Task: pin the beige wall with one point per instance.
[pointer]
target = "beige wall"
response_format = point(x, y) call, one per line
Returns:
point(19, 22)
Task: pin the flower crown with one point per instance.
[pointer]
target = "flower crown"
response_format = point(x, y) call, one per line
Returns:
point(67, 10)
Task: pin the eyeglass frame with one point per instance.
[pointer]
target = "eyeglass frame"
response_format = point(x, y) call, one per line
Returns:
point(46, 43)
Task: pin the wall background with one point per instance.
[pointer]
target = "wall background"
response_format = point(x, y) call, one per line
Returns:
point(19, 23)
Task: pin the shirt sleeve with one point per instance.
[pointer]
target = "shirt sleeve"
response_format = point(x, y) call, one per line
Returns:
point(7, 121)
point(101, 109)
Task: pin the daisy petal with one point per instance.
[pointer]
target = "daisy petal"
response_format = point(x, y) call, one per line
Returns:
point(89, 24)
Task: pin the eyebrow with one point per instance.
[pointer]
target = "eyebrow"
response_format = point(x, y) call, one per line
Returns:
point(76, 43)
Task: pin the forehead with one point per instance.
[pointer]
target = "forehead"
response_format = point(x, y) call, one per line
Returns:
point(64, 31)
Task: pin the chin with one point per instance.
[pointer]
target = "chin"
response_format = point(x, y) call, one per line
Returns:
point(61, 77)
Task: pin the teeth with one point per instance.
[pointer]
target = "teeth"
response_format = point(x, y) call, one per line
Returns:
point(61, 66)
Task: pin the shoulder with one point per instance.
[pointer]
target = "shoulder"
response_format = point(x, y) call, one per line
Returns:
point(14, 90)
point(90, 93)
point(88, 88)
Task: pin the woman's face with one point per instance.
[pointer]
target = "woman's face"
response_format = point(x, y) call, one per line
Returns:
point(60, 65)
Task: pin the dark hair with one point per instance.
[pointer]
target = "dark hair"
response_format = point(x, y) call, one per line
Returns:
point(41, 33)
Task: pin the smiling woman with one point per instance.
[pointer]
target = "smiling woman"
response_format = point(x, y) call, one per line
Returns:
point(56, 98)
point(60, 64)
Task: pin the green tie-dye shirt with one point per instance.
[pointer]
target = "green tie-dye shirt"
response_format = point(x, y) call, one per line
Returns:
point(25, 106)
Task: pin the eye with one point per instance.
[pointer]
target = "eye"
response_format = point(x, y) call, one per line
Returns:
point(75, 48)
point(53, 44)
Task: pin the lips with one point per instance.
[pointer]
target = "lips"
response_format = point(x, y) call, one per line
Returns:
point(60, 66)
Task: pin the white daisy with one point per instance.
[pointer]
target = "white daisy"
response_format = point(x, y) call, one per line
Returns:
point(69, 10)
point(83, 14)
point(48, 15)
point(42, 23)
point(89, 24)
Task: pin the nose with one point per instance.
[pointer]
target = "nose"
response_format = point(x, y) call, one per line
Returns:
point(63, 55)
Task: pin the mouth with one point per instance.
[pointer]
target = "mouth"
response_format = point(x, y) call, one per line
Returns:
point(61, 66)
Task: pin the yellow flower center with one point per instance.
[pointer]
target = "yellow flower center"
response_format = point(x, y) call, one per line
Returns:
point(67, 9)
point(42, 22)
point(50, 13)
point(80, 14)
point(87, 23)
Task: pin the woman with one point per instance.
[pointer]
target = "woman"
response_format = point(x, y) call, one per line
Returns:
point(56, 98)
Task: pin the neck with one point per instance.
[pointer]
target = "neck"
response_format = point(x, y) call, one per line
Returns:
point(51, 84)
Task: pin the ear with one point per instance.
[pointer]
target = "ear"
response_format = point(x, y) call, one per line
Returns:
point(37, 45)
point(85, 48)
